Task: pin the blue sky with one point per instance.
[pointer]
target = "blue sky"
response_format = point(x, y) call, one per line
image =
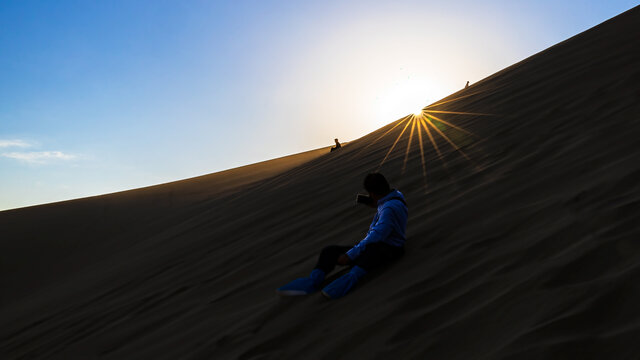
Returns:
point(103, 96)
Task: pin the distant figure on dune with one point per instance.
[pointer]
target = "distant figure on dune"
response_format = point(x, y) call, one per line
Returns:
point(338, 146)
point(384, 243)
point(466, 86)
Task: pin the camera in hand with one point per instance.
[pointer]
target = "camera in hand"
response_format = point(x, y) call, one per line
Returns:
point(364, 199)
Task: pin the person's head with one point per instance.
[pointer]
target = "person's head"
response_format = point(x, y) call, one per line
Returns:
point(377, 186)
point(336, 140)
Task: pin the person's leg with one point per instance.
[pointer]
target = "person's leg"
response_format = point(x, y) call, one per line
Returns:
point(342, 285)
point(373, 256)
point(326, 262)
point(329, 257)
point(378, 254)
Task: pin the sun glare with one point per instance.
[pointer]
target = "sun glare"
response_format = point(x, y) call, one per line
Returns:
point(404, 97)
point(428, 126)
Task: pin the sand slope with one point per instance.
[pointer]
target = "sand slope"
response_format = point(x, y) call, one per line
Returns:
point(92, 228)
point(526, 250)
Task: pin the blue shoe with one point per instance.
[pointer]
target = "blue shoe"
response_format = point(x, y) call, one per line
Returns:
point(303, 286)
point(341, 286)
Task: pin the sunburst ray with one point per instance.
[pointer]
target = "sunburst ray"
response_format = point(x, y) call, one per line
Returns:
point(433, 141)
point(406, 155)
point(424, 167)
point(406, 118)
point(393, 146)
point(451, 125)
point(444, 136)
point(456, 112)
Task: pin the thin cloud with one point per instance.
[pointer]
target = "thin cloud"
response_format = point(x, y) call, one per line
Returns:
point(14, 143)
point(38, 157)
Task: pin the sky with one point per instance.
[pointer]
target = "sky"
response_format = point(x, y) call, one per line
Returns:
point(104, 96)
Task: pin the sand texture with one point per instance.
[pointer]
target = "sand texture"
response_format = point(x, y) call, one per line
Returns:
point(523, 243)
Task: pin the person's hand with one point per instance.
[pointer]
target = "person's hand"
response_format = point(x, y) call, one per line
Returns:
point(344, 259)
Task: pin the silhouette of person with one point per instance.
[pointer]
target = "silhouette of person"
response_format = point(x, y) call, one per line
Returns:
point(338, 146)
point(383, 243)
point(466, 86)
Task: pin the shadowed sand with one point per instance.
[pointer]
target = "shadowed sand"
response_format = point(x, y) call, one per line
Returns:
point(527, 249)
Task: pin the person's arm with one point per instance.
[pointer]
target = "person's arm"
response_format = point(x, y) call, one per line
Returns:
point(379, 232)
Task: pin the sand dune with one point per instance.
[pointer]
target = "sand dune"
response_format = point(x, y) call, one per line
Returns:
point(527, 248)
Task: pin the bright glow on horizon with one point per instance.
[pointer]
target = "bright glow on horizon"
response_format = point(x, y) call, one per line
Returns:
point(406, 97)
point(424, 119)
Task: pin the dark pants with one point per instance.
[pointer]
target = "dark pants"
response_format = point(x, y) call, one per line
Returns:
point(373, 256)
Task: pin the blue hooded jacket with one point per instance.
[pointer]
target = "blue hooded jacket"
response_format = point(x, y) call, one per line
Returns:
point(388, 225)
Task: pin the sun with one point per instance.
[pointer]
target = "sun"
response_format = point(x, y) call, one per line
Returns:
point(428, 125)
point(407, 96)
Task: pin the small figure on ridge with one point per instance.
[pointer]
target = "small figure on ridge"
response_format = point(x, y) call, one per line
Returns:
point(338, 146)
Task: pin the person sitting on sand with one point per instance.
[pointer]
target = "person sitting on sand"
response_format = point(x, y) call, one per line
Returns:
point(338, 146)
point(466, 86)
point(384, 243)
